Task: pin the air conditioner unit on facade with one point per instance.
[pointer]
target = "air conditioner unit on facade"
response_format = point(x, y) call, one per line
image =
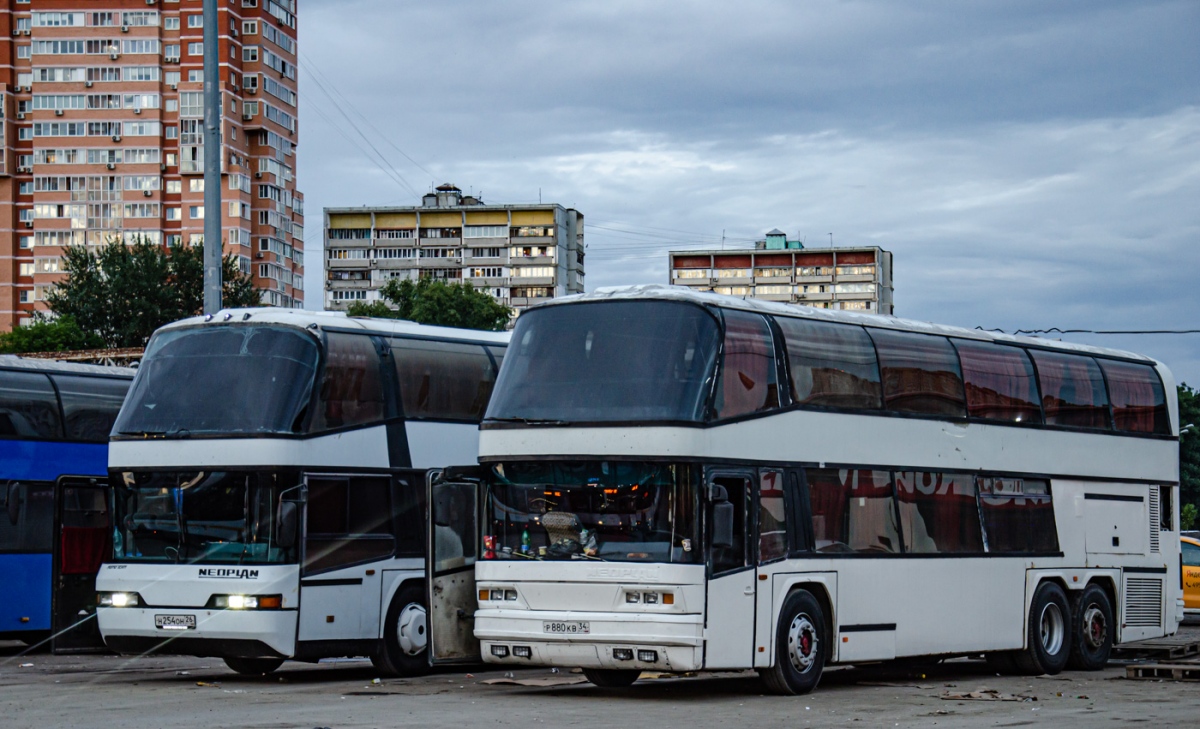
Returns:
point(16, 32)
point(58, 112)
point(251, 89)
point(162, 167)
point(137, 111)
point(247, 117)
point(112, 165)
point(124, 28)
point(258, 255)
point(174, 87)
point(150, 2)
point(114, 56)
point(116, 137)
point(28, 223)
point(26, 32)
point(258, 175)
point(87, 84)
point(20, 116)
point(147, 193)
point(233, 32)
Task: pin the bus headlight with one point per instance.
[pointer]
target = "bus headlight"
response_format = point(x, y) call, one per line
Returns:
point(118, 599)
point(247, 602)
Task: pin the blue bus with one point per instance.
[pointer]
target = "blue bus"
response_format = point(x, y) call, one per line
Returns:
point(55, 529)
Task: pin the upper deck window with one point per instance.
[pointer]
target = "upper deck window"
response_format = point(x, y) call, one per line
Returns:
point(90, 405)
point(1000, 382)
point(832, 365)
point(749, 383)
point(221, 380)
point(28, 408)
point(920, 373)
point(611, 361)
point(1138, 401)
point(352, 385)
point(1072, 390)
point(443, 380)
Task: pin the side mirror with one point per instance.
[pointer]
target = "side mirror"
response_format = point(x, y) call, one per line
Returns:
point(287, 525)
point(13, 502)
point(722, 525)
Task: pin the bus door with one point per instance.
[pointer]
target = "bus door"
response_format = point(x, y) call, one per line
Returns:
point(84, 542)
point(454, 499)
point(729, 625)
point(349, 536)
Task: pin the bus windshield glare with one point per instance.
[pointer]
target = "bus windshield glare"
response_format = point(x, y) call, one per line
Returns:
point(611, 361)
point(197, 516)
point(591, 510)
point(218, 380)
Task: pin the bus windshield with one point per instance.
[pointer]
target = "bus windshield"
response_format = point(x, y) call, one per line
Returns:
point(221, 380)
point(598, 510)
point(201, 516)
point(612, 361)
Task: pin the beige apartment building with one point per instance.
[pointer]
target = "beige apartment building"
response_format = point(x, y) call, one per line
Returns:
point(856, 278)
point(520, 254)
point(103, 137)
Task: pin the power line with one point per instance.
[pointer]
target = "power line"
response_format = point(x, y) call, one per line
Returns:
point(1056, 330)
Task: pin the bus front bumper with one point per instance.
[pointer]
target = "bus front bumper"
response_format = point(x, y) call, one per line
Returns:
point(217, 633)
point(617, 641)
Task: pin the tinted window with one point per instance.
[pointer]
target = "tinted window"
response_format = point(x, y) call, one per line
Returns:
point(443, 380)
point(853, 511)
point(748, 375)
point(454, 525)
point(920, 373)
point(351, 387)
point(28, 408)
point(349, 522)
point(772, 517)
point(608, 361)
point(1138, 402)
point(732, 557)
point(27, 520)
point(938, 512)
point(90, 405)
point(832, 365)
point(1072, 390)
point(1018, 515)
point(1000, 382)
point(222, 379)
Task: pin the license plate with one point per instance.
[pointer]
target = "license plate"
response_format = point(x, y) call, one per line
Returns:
point(175, 622)
point(569, 627)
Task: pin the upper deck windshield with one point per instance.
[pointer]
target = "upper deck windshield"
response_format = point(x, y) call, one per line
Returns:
point(220, 517)
point(221, 380)
point(610, 511)
point(614, 361)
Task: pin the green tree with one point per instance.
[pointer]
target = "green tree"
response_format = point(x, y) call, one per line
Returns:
point(436, 302)
point(1189, 446)
point(1187, 517)
point(48, 335)
point(122, 293)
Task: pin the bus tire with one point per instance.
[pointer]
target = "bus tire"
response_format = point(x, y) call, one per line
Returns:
point(253, 666)
point(1092, 638)
point(1049, 638)
point(612, 677)
point(405, 635)
point(800, 646)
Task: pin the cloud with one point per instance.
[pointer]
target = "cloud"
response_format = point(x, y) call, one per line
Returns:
point(1029, 165)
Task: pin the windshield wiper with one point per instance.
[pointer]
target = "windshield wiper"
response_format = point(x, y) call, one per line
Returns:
point(179, 433)
point(527, 421)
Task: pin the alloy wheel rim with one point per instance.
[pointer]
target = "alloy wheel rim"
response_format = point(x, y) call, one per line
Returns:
point(411, 629)
point(1052, 628)
point(802, 643)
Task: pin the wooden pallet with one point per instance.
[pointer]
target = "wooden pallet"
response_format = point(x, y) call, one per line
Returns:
point(1167, 671)
point(1161, 648)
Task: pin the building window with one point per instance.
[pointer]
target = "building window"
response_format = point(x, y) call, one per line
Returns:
point(196, 212)
point(250, 54)
point(195, 21)
point(250, 27)
point(171, 23)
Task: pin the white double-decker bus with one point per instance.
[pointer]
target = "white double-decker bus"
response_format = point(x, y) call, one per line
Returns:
point(268, 476)
point(679, 481)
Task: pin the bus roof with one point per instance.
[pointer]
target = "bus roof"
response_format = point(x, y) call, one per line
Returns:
point(338, 320)
point(680, 293)
point(15, 362)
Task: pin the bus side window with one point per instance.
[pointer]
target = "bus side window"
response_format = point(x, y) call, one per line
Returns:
point(349, 522)
point(28, 406)
point(772, 517)
point(26, 522)
point(733, 557)
point(853, 510)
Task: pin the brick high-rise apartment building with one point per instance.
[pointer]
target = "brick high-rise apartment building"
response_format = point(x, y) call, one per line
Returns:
point(103, 137)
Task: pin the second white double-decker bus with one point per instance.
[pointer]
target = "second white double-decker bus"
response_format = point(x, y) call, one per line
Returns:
point(679, 481)
point(268, 478)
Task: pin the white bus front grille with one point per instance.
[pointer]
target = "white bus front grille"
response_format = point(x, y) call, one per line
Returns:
point(1143, 602)
point(1155, 519)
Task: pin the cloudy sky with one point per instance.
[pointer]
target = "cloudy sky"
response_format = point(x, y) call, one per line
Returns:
point(1030, 164)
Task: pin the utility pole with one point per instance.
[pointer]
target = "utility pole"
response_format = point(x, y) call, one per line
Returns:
point(213, 252)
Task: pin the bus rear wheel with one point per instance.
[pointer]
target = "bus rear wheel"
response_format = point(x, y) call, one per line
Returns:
point(405, 635)
point(799, 646)
point(1049, 639)
point(254, 666)
point(612, 677)
point(1092, 639)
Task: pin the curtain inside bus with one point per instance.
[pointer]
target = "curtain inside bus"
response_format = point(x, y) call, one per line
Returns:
point(1136, 392)
point(1000, 382)
point(853, 510)
point(748, 375)
point(920, 373)
point(832, 365)
point(1072, 390)
point(938, 513)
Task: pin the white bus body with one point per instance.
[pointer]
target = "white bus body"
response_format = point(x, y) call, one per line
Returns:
point(867, 533)
point(268, 492)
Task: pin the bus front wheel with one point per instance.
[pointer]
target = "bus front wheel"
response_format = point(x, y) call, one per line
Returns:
point(254, 666)
point(611, 677)
point(405, 635)
point(1092, 639)
point(799, 646)
point(1049, 639)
